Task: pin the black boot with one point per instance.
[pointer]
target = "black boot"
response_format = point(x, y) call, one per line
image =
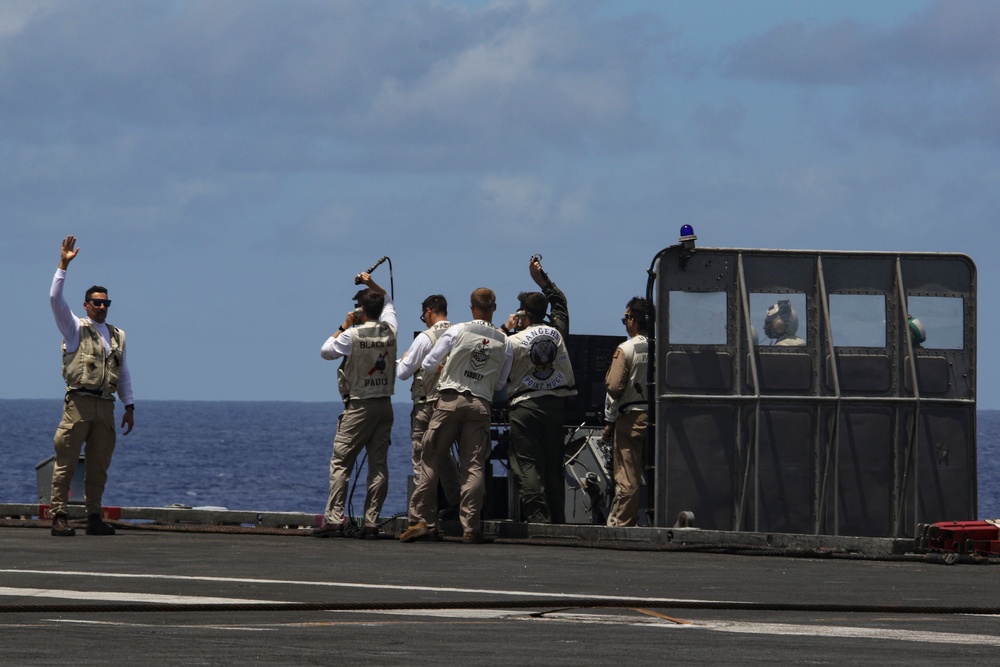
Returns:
point(61, 527)
point(97, 527)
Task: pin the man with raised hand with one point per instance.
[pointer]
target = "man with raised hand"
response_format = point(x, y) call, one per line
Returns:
point(540, 380)
point(95, 369)
point(366, 341)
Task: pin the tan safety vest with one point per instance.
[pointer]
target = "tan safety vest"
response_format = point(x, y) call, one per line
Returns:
point(634, 399)
point(475, 360)
point(541, 364)
point(87, 367)
point(425, 385)
point(370, 370)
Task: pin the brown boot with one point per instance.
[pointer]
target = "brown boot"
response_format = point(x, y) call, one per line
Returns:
point(473, 537)
point(61, 527)
point(329, 530)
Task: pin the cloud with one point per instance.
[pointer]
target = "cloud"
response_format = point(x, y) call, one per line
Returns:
point(16, 16)
point(521, 204)
point(350, 72)
point(793, 52)
point(718, 125)
point(931, 81)
point(180, 111)
point(952, 38)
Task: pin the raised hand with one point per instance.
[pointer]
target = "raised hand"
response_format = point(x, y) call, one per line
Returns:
point(68, 252)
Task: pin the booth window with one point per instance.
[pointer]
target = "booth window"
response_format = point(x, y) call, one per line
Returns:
point(858, 320)
point(698, 318)
point(942, 319)
point(779, 319)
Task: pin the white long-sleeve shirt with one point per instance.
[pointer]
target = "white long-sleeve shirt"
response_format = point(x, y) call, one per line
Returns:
point(419, 349)
point(338, 346)
point(69, 327)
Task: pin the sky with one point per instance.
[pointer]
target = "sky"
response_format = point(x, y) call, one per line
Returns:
point(228, 167)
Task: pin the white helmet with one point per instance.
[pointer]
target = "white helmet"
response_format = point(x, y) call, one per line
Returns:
point(917, 332)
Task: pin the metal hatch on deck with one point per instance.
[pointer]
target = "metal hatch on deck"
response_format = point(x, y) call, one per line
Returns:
point(851, 425)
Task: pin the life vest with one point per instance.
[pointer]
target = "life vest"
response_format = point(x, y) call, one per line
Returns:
point(541, 364)
point(475, 360)
point(370, 370)
point(88, 367)
point(425, 384)
point(634, 399)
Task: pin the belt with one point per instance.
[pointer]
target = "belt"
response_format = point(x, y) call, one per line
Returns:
point(84, 390)
point(456, 392)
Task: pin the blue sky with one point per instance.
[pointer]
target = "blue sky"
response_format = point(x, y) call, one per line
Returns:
point(229, 166)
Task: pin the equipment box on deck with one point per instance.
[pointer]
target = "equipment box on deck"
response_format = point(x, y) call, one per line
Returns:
point(43, 475)
point(959, 536)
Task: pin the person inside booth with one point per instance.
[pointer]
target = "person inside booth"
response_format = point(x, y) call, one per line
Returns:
point(781, 323)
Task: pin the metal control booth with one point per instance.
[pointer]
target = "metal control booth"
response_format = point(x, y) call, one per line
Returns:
point(855, 427)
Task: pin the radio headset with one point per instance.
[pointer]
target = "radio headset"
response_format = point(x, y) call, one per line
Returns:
point(782, 323)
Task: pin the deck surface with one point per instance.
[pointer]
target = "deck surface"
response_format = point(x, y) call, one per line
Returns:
point(96, 579)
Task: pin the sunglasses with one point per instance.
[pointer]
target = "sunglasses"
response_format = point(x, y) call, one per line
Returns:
point(97, 303)
point(626, 319)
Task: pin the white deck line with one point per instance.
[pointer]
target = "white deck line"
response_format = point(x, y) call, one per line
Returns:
point(112, 596)
point(345, 584)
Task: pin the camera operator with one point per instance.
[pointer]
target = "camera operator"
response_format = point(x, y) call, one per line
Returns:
point(366, 342)
point(540, 380)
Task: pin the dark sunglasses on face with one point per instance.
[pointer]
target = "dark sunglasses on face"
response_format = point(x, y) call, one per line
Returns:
point(626, 319)
point(97, 303)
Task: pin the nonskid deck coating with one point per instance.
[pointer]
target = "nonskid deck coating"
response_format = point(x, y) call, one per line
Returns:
point(466, 595)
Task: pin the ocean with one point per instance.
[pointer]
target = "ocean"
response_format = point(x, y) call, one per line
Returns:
point(262, 456)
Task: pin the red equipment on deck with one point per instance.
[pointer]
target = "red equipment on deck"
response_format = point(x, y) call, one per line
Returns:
point(963, 537)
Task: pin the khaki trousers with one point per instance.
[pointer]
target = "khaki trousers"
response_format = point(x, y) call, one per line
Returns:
point(364, 424)
point(447, 469)
point(89, 419)
point(466, 419)
point(630, 441)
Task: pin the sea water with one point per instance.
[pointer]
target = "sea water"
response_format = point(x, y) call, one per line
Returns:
point(263, 456)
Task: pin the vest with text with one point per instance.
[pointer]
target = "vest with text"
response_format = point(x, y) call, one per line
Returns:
point(370, 370)
point(541, 364)
point(475, 361)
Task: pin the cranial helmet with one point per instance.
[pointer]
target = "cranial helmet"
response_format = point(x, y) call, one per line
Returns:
point(781, 320)
point(917, 332)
